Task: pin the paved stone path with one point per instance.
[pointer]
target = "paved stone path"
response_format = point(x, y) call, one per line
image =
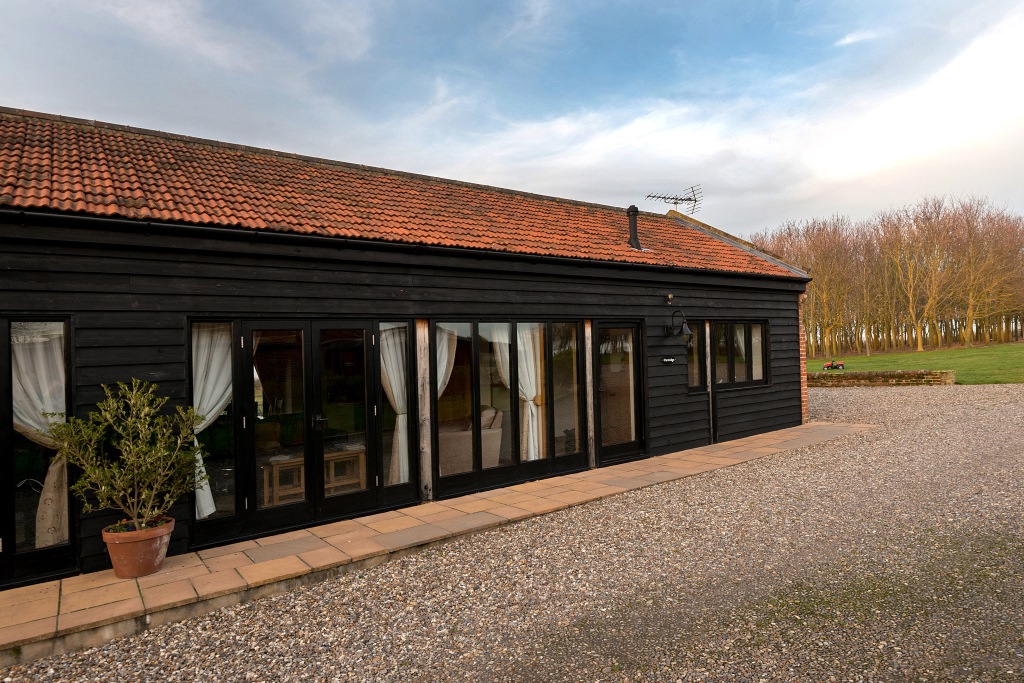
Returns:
point(90, 609)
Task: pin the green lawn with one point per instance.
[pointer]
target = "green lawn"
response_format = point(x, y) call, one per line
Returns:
point(993, 364)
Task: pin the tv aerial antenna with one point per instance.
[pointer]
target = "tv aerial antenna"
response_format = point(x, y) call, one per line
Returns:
point(692, 197)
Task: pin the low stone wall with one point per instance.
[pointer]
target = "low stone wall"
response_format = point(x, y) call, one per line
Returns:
point(880, 378)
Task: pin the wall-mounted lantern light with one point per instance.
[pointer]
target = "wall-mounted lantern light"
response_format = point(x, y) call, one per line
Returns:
point(683, 331)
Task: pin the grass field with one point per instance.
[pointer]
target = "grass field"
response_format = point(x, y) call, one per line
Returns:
point(994, 364)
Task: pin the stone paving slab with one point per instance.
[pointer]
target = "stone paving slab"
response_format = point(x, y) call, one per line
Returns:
point(218, 583)
point(90, 609)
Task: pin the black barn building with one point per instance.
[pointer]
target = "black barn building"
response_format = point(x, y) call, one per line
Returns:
point(359, 339)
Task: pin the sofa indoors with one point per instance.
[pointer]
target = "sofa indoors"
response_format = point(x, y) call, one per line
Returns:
point(455, 442)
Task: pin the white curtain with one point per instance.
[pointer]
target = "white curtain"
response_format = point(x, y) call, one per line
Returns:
point(211, 392)
point(394, 377)
point(38, 387)
point(531, 379)
point(498, 333)
point(447, 340)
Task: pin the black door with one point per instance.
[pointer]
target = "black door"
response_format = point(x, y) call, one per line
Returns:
point(346, 475)
point(314, 421)
point(36, 510)
point(619, 414)
point(309, 447)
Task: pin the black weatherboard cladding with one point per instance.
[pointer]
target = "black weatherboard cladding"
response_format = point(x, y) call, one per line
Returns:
point(130, 294)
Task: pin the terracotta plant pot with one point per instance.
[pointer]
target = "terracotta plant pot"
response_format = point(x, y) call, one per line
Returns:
point(138, 553)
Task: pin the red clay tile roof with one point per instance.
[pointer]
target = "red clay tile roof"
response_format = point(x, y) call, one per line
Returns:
point(58, 164)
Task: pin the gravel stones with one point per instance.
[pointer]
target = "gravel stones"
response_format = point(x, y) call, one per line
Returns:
point(895, 554)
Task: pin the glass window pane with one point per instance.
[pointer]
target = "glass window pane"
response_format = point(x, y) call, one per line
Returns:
point(757, 351)
point(40, 482)
point(721, 353)
point(739, 352)
point(565, 373)
point(617, 386)
point(533, 442)
point(281, 418)
point(495, 418)
point(454, 397)
point(218, 442)
point(695, 378)
point(212, 394)
point(394, 377)
point(343, 401)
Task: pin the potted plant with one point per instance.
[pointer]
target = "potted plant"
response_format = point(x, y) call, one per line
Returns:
point(136, 459)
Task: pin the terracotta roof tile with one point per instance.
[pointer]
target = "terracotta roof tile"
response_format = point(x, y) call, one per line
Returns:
point(53, 163)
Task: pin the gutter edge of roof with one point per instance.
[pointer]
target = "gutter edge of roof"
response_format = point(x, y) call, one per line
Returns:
point(239, 232)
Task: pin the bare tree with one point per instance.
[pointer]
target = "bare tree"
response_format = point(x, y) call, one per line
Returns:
point(937, 272)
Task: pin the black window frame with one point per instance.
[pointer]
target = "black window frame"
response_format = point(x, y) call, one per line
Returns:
point(698, 345)
point(39, 564)
point(730, 382)
point(241, 525)
point(479, 478)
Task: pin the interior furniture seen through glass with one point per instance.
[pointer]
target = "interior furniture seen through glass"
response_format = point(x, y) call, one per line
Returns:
point(566, 397)
point(343, 402)
point(454, 397)
point(695, 358)
point(739, 353)
point(617, 385)
point(757, 351)
point(493, 342)
point(280, 417)
point(721, 349)
point(531, 397)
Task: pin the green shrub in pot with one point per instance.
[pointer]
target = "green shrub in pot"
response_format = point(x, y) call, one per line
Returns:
point(134, 458)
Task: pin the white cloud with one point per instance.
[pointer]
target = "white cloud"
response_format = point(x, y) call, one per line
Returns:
point(971, 99)
point(530, 19)
point(337, 28)
point(330, 30)
point(793, 145)
point(181, 26)
point(529, 29)
point(857, 37)
point(444, 106)
point(763, 161)
point(620, 156)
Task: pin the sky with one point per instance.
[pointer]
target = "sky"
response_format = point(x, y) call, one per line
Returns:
point(779, 110)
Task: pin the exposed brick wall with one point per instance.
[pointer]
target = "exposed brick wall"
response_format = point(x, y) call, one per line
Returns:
point(805, 406)
point(881, 378)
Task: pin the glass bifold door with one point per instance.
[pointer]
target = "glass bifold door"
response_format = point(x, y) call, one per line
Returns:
point(508, 402)
point(312, 423)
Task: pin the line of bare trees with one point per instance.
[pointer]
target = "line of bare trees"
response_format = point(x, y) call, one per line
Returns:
point(941, 272)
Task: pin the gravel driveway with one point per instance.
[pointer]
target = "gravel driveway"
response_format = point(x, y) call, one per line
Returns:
point(897, 554)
